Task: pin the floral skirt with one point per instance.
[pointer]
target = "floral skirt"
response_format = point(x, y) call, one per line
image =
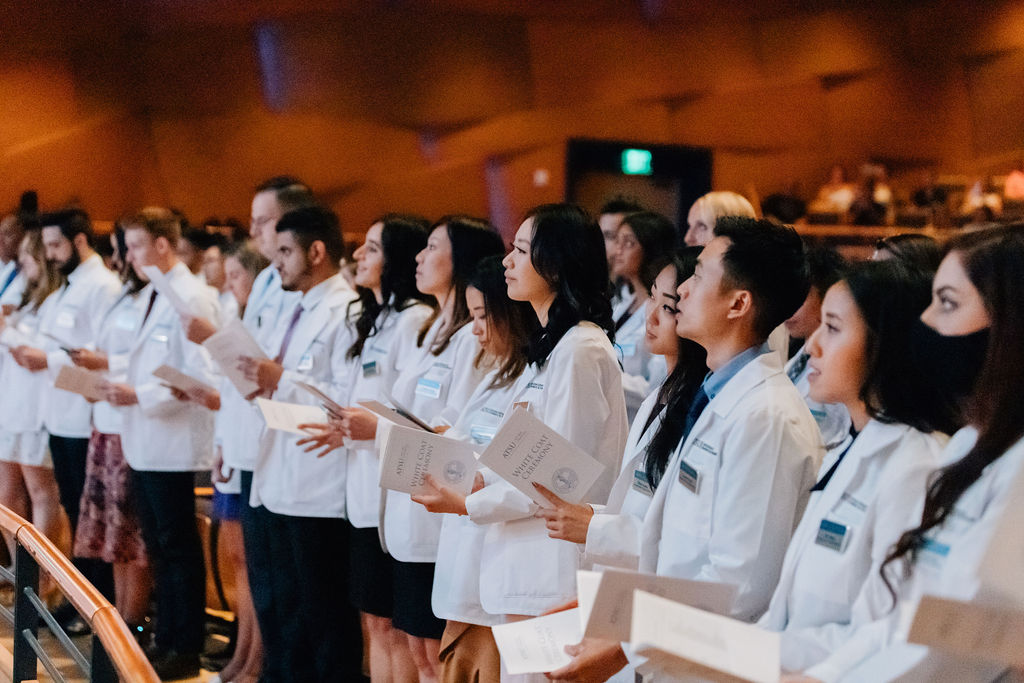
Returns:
point(108, 524)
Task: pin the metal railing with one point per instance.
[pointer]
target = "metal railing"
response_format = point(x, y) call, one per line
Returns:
point(115, 654)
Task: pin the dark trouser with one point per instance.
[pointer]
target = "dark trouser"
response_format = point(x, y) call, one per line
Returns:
point(272, 616)
point(167, 515)
point(69, 457)
point(323, 639)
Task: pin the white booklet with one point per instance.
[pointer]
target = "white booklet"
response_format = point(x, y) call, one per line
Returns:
point(329, 404)
point(408, 454)
point(87, 383)
point(972, 631)
point(538, 645)
point(525, 450)
point(287, 417)
point(394, 416)
point(685, 641)
point(609, 609)
point(179, 380)
point(227, 347)
point(164, 287)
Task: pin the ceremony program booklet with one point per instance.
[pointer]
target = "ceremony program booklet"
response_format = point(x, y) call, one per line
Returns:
point(88, 383)
point(287, 417)
point(970, 630)
point(227, 347)
point(538, 645)
point(525, 450)
point(410, 453)
point(685, 641)
point(180, 381)
point(394, 416)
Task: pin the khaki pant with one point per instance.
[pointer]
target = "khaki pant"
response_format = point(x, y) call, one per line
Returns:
point(468, 654)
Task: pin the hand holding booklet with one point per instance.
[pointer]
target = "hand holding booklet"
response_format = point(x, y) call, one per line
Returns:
point(538, 645)
point(180, 381)
point(87, 383)
point(408, 454)
point(685, 641)
point(287, 417)
point(227, 347)
point(400, 418)
point(525, 450)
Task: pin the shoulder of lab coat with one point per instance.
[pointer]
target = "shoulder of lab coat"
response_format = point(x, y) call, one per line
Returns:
point(906, 458)
point(97, 289)
point(768, 450)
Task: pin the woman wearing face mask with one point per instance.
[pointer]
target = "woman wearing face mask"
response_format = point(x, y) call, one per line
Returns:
point(502, 326)
point(434, 380)
point(27, 484)
point(573, 384)
point(644, 240)
point(970, 340)
point(386, 319)
point(865, 495)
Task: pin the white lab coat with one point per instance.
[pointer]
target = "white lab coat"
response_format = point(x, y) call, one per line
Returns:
point(613, 536)
point(161, 433)
point(948, 566)
point(75, 319)
point(833, 418)
point(239, 422)
point(287, 480)
point(641, 370)
point(578, 393)
point(435, 389)
point(117, 336)
point(877, 492)
point(757, 450)
point(371, 373)
point(456, 593)
point(22, 437)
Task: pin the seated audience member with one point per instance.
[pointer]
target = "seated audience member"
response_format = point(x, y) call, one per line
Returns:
point(706, 211)
point(609, 219)
point(919, 251)
point(836, 195)
point(825, 266)
point(1013, 188)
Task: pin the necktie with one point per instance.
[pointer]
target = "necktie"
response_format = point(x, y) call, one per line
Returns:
point(700, 401)
point(797, 368)
point(288, 335)
point(10, 278)
point(149, 308)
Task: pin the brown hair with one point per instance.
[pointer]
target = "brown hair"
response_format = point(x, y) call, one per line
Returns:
point(50, 279)
point(158, 222)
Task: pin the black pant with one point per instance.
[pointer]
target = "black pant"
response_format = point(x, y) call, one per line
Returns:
point(270, 614)
point(322, 633)
point(167, 515)
point(69, 456)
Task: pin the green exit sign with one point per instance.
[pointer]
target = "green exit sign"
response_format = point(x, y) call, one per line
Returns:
point(636, 162)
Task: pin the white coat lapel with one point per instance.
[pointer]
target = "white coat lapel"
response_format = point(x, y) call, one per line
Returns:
point(312, 323)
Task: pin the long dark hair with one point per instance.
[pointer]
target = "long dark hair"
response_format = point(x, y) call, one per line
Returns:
point(994, 261)
point(679, 388)
point(891, 296)
point(656, 235)
point(401, 238)
point(514, 321)
point(567, 250)
point(472, 239)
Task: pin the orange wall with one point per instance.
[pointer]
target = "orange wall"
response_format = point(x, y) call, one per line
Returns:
point(407, 109)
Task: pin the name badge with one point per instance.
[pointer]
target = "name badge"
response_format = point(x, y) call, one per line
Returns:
point(125, 320)
point(689, 476)
point(428, 387)
point(370, 369)
point(933, 554)
point(833, 535)
point(482, 434)
point(641, 484)
point(161, 334)
point(305, 362)
point(265, 315)
point(66, 318)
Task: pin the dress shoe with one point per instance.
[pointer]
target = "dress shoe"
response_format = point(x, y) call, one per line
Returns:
point(174, 665)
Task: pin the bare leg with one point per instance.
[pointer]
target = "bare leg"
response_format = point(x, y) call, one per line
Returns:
point(247, 660)
point(132, 584)
point(403, 670)
point(13, 495)
point(47, 514)
point(425, 653)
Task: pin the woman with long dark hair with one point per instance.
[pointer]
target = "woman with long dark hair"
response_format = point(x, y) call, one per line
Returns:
point(969, 339)
point(573, 384)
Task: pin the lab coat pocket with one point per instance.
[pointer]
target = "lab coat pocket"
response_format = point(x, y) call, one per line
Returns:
point(694, 492)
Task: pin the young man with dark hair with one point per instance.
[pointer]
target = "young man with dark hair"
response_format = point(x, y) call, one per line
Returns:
point(825, 267)
point(303, 494)
point(73, 323)
point(737, 484)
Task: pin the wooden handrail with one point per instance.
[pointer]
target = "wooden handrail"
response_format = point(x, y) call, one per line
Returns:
point(118, 642)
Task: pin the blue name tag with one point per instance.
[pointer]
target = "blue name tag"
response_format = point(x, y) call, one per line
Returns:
point(428, 387)
point(641, 483)
point(305, 363)
point(628, 350)
point(482, 434)
point(930, 545)
point(833, 536)
point(689, 476)
point(370, 369)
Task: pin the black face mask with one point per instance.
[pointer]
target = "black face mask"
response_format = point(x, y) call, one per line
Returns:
point(952, 363)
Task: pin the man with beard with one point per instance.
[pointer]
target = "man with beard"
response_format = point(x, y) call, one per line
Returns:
point(89, 291)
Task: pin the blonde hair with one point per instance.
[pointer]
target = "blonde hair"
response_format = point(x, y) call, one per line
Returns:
point(714, 205)
point(49, 280)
